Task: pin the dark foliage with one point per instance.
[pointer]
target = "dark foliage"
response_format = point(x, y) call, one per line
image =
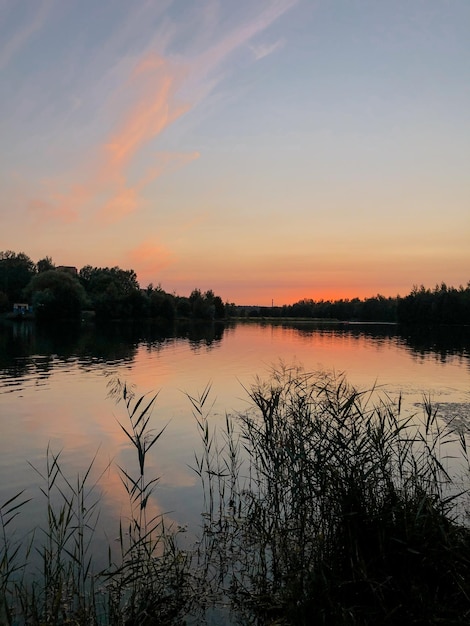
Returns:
point(206, 306)
point(114, 293)
point(16, 270)
point(56, 295)
point(324, 508)
point(442, 305)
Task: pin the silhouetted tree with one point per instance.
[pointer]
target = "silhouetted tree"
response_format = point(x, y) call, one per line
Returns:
point(206, 306)
point(45, 264)
point(56, 295)
point(16, 270)
point(161, 305)
point(183, 306)
point(219, 308)
point(442, 305)
point(95, 280)
point(113, 292)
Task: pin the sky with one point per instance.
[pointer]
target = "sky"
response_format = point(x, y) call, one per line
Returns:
point(269, 150)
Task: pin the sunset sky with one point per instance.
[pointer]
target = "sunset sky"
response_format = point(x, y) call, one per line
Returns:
point(264, 149)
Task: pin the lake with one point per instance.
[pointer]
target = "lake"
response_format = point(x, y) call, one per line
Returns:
point(54, 392)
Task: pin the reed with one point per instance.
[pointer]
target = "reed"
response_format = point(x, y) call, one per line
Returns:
point(333, 507)
point(59, 588)
point(151, 584)
point(321, 504)
point(145, 583)
point(11, 558)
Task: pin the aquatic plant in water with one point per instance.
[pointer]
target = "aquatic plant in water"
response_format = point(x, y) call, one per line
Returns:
point(321, 503)
point(330, 506)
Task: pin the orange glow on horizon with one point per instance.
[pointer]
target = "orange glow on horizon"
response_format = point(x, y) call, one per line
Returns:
point(329, 295)
point(153, 264)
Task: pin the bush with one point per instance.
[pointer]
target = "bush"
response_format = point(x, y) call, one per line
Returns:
point(56, 295)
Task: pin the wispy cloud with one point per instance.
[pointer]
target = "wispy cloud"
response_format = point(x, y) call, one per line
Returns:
point(242, 34)
point(262, 50)
point(148, 259)
point(155, 83)
point(21, 35)
point(59, 202)
point(108, 192)
point(165, 163)
point(47, 210)
point(158, 91)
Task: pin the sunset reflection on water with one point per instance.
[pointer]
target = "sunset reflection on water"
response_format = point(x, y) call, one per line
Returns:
point(59, 399)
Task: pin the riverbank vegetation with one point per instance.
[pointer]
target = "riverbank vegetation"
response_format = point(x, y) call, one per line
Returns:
point(109, 293)
point(320, 504)
point(425, 306)
point(113, 293)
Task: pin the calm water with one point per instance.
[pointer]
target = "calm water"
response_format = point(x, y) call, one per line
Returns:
point(53, 391)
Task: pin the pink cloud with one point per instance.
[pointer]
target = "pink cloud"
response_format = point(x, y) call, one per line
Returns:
point(155, 109)
point(125, 199)
point(123, 202)
point(58, 200)
point(167, 162)
point(108, 193)
point(155, 83)
point(46, 210)
point(148, 259)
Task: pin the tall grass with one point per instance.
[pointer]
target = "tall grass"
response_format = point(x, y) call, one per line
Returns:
point(333, 508)
point(321, 504)
point(52, 578)
point(151, 583)
point(11, 558)
point(61, 584)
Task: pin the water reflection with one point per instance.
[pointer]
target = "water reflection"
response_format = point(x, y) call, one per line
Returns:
point(25, 348)
point(202, 334)
point(440, 341)
point(70, 367)
point(120, 341)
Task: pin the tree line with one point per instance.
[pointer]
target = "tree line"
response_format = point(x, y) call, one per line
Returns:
point(440, 305)
point(58, 292)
